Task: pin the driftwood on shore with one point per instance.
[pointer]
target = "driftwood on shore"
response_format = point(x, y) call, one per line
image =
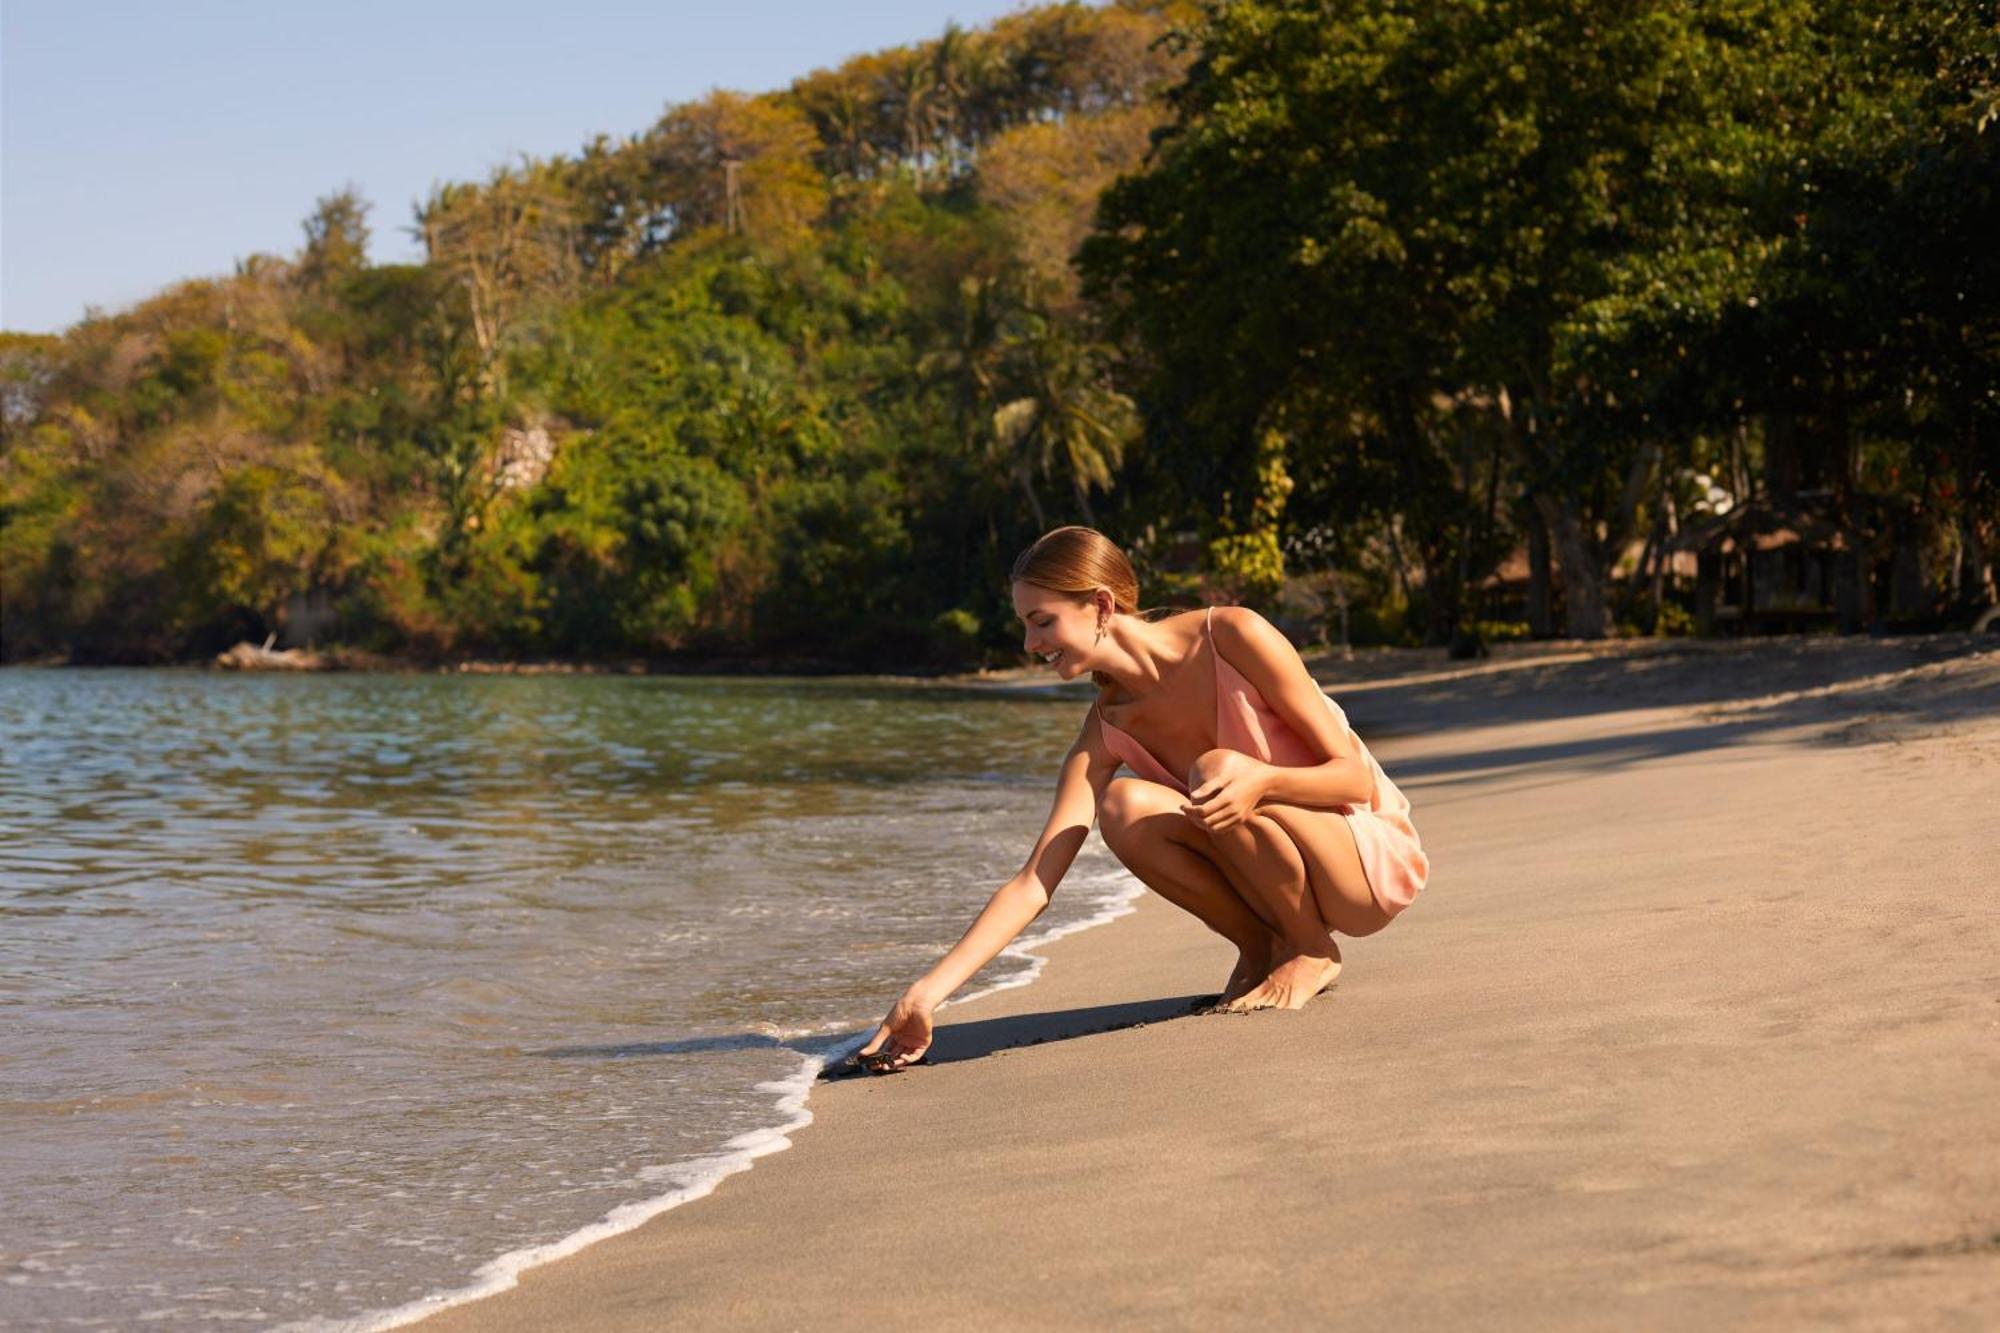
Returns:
point(247, 656)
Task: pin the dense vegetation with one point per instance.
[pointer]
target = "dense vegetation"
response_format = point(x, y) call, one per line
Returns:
point(1302, 301)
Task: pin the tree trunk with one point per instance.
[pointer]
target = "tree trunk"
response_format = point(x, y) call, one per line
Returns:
point(1340, 600)
point(1441, 599)
point(1034, 501)
point(1402, 570)
point(1636, 478)
point(1847, 600)
point(1707, 588)
point(1782, 463)
point(1739, 463)
point(1583, 582)
point(1906, 574)
point(1662, 552)
point(1083, 506)
point(1541, 612)
point(1491, 517)
point(1646, 574)
point(1978, 578)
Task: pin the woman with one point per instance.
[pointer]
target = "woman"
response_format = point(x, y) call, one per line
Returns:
point(1253, 805)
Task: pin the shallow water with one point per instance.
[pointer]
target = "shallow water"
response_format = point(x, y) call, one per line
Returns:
point(319, 993)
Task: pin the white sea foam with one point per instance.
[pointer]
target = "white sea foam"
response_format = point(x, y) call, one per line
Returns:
point(697, 1177)
point(1120, 891)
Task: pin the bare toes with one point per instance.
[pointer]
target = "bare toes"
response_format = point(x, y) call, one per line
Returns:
point(1259, 998)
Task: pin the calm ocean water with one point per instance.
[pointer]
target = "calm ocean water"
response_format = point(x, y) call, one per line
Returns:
point(323, 995)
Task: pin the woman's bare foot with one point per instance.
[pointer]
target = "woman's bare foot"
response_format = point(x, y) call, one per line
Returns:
point(1291, 983)
point(1252, 966)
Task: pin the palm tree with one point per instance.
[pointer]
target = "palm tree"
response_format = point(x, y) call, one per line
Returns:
point(1065, 418)
point(969, 365)
point(847, 124)
point(840, 112)
point(914, 94)
point(956, 62)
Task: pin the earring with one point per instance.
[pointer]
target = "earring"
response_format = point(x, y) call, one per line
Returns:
point(1100, 632)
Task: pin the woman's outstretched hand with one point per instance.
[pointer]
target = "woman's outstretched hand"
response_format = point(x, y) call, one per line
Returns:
point(901, 1040)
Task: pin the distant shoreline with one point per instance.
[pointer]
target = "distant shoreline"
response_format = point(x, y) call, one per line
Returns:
point(1379, 661)
point(1358, 667)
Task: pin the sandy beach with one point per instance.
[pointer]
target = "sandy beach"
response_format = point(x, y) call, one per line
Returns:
point(1696, 1026)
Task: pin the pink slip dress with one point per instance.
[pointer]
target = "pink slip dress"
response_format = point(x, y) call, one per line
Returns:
point(1383, 834)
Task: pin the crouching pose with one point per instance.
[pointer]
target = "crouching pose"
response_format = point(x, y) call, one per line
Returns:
point(1251, 803)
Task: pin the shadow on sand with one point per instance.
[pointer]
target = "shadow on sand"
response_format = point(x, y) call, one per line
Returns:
point(1669, 673)
point(956, 1042)
point(1806, 692)
point(975, 1040)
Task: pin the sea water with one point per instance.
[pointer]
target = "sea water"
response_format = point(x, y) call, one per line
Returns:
point(328, 1000)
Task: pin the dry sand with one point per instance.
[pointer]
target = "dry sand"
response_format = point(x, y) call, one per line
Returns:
point(1697, 1026)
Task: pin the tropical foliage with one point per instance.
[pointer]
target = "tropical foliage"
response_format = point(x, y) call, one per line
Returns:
point(1359, 296)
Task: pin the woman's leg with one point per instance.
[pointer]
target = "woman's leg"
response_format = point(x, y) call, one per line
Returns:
point(1142, 824)
point(1333, 866)
point(1301, 870)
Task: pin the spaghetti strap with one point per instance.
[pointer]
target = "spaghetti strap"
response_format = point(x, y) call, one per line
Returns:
point(1245, 721)
point(1215, 668)
point(1383, 834)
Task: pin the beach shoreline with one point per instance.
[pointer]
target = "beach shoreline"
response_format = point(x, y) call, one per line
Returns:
point(1366, 666)
point(739, 1154)
point(1664, 1044)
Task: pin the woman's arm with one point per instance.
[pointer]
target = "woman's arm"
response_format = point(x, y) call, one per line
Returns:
point(1266, 658)
point(1086, 770)
point(1026, 896)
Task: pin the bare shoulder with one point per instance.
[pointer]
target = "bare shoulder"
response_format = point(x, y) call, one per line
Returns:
point(1248, 640)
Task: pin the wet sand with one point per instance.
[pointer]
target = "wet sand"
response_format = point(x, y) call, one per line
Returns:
point(1697, 1025)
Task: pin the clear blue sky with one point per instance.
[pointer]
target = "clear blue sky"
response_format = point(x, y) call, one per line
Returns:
point(142, 143)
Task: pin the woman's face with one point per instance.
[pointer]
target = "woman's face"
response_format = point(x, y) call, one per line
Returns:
point(1059, 629)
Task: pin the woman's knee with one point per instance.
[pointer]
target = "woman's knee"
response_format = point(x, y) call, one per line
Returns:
point(1125, 803)
point(1205, 766)
point(1119, 808)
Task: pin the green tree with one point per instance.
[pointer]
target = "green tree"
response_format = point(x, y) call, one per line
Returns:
point(336, 240)
point(1060, 418)
point(1389, 214)
point(507, 244)
point(261, 536)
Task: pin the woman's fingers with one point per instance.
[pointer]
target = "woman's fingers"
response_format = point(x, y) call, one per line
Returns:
point(1212, 790)
point(1215, 819)
point(900, 1041)
point(892, 1058)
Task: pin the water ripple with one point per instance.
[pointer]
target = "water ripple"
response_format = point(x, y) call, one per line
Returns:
point(285, 961)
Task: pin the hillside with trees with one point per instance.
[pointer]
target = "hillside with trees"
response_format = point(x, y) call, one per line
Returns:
point(1426, 320)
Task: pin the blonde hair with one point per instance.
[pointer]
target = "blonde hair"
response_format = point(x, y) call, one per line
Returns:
point(1079, 561)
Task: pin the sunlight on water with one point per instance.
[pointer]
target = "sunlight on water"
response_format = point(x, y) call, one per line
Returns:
point(320, 992)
